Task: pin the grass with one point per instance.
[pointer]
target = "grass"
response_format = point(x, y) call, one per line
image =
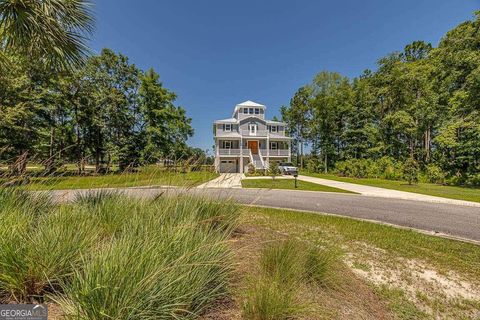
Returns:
point(451, 192)
point(288, 184)
point(444, 253)
point(286, 268)
point(150, 175)
point(393, 259)
point(107, 256)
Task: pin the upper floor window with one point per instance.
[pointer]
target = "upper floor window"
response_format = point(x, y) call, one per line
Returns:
point(273, 128)
point(227, 144)
point(273, 145)
point(245, 110)
point(257, 111)
point(227, 127)
point(250, 111)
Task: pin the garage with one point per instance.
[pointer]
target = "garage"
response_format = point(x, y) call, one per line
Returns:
point(228, 166)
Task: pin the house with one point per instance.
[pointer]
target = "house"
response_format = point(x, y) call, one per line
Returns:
point(248, 138)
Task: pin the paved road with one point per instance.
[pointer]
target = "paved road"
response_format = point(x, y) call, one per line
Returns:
point(448, 219)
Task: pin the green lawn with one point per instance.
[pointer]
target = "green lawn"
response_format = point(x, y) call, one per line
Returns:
point(395, 255)
point(146, 176)
point(279, 183)
point(451, 192)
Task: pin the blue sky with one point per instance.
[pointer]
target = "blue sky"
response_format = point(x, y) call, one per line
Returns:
point(217, 53)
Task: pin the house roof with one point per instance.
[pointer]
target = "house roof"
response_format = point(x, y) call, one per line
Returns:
point(276, 122)
point(250, 103)
point(229, 120)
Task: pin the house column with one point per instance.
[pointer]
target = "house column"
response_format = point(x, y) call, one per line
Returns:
point(289, 151)
point(241, 156)
point(268, 151)
point(217, 156)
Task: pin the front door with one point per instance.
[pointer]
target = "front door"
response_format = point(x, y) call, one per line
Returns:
point(253, 145)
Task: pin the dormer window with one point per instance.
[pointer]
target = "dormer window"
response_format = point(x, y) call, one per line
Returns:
point(250, 110)
point(227, 127)
point(273, 128)
point(257, 111)
point(245, 110)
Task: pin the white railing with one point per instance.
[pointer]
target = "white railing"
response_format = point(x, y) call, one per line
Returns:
point(258, 133)
point(229, 152)
point(279, 152)
point(261, 158)
point(232, 152)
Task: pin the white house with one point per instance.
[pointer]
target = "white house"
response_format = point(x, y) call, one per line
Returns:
point(247, 137)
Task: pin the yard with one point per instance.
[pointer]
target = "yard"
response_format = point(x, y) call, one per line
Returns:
point(145, 176)
point(451, 192)
point(279, 183)
point(201, 259)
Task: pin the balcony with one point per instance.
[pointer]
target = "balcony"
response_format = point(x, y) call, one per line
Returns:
point(277, 152)
point(258, 133)
point(232, 152)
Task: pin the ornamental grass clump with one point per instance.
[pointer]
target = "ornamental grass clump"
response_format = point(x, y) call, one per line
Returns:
point(286, 268)
point(108, 256)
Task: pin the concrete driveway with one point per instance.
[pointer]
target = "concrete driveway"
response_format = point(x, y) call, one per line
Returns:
point(385, 193)
point(225, 180)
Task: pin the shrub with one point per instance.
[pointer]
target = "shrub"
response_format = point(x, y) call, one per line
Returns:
point(314, 165)
point(273, 169)
point(410, 171)
point(251, 168)
point(434, 174)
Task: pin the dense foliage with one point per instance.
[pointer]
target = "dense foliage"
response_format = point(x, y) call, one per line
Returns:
point(421, 104)
point(106, 112)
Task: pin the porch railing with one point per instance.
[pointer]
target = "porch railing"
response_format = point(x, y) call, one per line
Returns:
point(232, 152)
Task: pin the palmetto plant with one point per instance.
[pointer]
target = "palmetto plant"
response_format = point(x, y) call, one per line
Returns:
point(52, 31)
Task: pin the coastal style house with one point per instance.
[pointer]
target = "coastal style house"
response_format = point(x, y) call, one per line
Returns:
point(248, 138)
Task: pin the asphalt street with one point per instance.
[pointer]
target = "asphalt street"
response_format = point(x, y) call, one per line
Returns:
point(447, 219)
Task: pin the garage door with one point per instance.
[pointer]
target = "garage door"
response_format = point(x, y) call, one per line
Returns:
point(228, 166)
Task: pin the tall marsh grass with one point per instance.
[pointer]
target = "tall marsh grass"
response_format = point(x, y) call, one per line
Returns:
point(107, 256)
point(286, 268)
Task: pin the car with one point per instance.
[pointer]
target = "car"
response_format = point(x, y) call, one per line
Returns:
point(288, 168)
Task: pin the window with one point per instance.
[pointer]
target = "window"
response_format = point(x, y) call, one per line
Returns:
point(240, 110)
point(261, 111)
point(273, 145)
point(227, 144)
point(250, 111)
point(228, 127)
point(245, 110)
point(257, 111)
point(252, 127)
point(273, 129)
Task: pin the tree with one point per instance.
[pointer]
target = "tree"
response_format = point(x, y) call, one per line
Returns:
point(53, 32)
point(297, 117)
point(166, 126)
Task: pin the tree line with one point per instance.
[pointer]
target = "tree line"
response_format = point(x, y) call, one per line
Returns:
point(108, 111)
point(421, 107)
point(59, 103)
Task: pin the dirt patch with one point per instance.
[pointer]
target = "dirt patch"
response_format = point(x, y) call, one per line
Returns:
point(438, 294)
point(349, 296)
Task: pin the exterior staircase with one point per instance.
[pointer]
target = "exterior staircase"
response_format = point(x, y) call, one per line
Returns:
point(257, 160)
